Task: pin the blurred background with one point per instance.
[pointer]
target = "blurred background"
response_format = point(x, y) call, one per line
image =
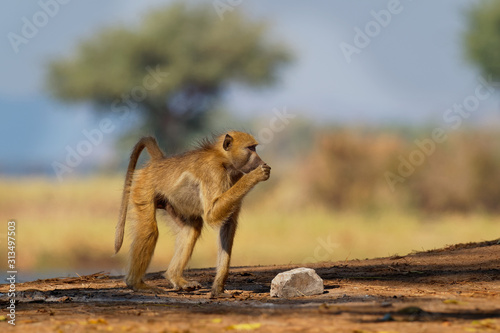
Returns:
point(380, 120)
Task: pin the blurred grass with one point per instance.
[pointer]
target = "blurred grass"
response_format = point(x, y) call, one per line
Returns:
point(68, 227)
point(357, 169)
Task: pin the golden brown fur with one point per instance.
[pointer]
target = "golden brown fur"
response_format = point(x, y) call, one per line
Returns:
point(204, 185)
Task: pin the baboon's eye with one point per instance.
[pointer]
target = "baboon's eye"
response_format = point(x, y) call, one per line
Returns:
point(252, 148)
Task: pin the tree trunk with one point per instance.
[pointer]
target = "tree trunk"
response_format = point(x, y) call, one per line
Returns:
point(173, 129)
point(168, 130)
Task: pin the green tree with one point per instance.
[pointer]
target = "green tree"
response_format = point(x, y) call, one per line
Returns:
point(482, 38)
point(172, 68)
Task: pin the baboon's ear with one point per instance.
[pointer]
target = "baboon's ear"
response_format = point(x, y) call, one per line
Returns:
point(228, 142)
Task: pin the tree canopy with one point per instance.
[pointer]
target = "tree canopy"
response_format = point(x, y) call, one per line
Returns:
point(482, 38)
point(172, 67)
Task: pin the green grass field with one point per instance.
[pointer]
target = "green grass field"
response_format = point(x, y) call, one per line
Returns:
point(67, 228)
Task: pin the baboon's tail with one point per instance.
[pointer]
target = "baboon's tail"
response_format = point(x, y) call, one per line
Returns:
point(155, 152)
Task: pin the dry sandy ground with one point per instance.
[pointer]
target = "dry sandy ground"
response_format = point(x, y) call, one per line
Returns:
point(455, 289)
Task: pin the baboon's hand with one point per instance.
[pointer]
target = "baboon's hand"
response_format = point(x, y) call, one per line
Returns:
point(263, 172)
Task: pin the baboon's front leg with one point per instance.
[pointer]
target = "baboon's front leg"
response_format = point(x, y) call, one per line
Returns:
point(225, 205)
point(225, 240)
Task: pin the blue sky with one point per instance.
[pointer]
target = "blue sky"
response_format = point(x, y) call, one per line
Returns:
point(411, 71)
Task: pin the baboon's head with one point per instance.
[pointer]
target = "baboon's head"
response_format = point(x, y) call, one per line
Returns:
point(241, 153)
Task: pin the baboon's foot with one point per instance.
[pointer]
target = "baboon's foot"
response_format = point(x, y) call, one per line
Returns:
point(217, 293)
point(190, 285)
point(186, 285)
point(180, 283)
point(145, 288)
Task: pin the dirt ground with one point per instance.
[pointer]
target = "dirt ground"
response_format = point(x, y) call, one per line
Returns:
point(455, 289)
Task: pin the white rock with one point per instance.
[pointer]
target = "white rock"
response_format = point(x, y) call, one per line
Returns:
point(297, 282)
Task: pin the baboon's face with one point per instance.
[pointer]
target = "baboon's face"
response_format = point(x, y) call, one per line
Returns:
point(241, 150)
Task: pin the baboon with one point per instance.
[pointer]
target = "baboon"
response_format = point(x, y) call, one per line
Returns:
point(207, 185)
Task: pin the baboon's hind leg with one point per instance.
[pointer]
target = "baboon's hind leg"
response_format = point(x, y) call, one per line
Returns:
point(145, 235)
